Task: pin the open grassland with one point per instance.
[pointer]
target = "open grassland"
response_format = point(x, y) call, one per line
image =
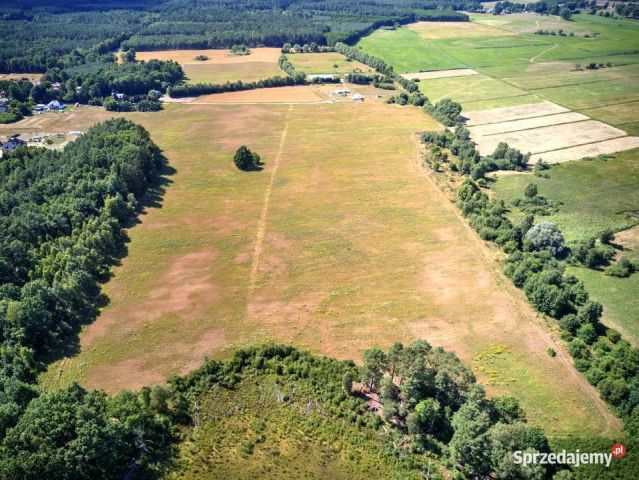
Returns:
point(341, 243)
point(595, 195)
point(221, 67)
point(330, 62)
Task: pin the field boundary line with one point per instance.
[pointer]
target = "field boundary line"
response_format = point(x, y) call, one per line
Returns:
point(261, 225)
point(542, 126)
point(584, 144)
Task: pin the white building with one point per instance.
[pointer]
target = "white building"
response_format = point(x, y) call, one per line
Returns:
point(357, 97)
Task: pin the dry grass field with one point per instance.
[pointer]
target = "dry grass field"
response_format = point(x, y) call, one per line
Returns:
point(444, 30)
point(341, 242)
point(32, 77)
point(221, 67)
point(299, 94)
point(457, 72)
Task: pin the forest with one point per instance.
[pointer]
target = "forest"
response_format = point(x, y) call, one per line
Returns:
point(37, 34)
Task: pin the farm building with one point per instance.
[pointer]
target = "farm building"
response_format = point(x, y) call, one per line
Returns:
point(55, 105)
point(12, 144)
point(357, 97)
point(342, 92)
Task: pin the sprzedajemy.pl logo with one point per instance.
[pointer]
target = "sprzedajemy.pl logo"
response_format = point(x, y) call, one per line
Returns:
point(564, 457)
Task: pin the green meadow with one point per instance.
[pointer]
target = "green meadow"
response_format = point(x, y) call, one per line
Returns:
point(594, 195)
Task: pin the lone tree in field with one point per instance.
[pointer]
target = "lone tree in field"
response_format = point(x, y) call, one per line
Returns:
point(246, 160)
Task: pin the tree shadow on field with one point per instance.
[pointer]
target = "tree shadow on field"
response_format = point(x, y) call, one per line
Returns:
point(68, 345)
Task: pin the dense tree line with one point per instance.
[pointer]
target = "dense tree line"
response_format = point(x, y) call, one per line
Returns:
point(193, 90)
point(61, 219)
point(291, 71)
point(537, 264)
point(630, 10)
point(544, 7)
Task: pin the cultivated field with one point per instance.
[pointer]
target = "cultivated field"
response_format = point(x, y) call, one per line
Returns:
point(519, 68)
point(548, 131)
point(342, 242)
point(595, 195)
point(221, 66)
point(329, 62)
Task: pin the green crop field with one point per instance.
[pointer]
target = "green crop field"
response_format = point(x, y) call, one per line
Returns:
point(407, 52)
point(594, 195)
point(341, 243)
point(471, 89)
point(520, 67)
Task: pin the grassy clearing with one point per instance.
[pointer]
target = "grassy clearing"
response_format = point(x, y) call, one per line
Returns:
point(291, 438)
point(230, 72)
point(356, 249)
point(594, 195)
point(330, 62)
point(407, 52)
point(221, 67)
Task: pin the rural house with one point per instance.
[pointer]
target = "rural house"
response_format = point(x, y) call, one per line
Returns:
point(12, 144)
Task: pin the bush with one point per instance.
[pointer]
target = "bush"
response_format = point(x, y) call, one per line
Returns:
point(622, 269)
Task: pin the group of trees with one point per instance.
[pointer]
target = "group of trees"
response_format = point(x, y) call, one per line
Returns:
point(61, 227)
point(18, 94)
point(467, 160)
point(430, 396)
point(536, 264)
point(545, 7)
